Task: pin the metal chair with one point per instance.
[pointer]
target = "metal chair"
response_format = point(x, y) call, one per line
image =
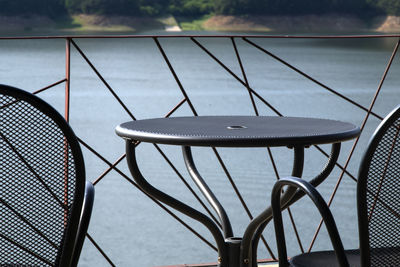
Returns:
point(45, 204)
point(378, 201)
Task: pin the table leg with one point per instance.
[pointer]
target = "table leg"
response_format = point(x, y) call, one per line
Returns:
point(176, 204)
point(297, 171)
point(206, 191)
point(317, 180)
point(253, 232)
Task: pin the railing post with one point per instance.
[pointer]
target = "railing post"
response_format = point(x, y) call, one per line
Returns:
point(66, 116)
point(67, 76)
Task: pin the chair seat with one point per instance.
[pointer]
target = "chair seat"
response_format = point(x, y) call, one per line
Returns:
point(325, 259)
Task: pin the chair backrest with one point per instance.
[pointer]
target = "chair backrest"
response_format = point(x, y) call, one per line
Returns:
point(378, 194)
point(42, 182)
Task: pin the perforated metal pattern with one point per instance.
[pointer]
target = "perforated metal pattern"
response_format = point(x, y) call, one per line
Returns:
point(37, 183)
point(383, 200)
point(238, 131)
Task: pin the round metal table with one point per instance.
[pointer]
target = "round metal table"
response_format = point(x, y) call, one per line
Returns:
point(234, 131)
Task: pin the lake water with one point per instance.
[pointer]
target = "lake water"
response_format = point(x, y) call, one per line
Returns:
point(131, 229)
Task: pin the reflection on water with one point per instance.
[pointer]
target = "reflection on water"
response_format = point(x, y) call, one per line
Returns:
point(134, 231)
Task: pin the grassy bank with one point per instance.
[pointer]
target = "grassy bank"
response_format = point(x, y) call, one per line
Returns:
point(111, 24)
point(82, 23)
point(301, 24)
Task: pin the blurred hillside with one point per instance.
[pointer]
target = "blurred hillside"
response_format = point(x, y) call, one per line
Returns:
point(229, 15)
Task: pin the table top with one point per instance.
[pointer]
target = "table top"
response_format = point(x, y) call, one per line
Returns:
point(238, 131)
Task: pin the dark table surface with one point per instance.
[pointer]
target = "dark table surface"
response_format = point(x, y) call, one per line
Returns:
point(238, 131)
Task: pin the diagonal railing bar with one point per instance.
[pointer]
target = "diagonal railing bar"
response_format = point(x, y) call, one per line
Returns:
point(195, 113)
point(30, 167)
point(113, 166)
point(100, 249)
point(386, 206)
point(173, 215)
point(337, 164)
point(35, 229)
point(389, 64)
point(383, 176)
point(176, 107)
point(269, 150)
point(187, 185)
point(296, 232)
point(309, 77)
point(254, 92)
point(172, 71)
point(265, 102)
point(153, 199)
point(178, 173)
point(186, 98)
point(109, 169)
point(235, 76)
point(244, 75)
point(103, 80)
point(289, 210)
point(256, 111)
point(239, 195)
point(376, 197)
point(37, 91)
point(344, 169)
point(175, 76)
point(49, 86)
point(176, 170)
point(27, 249)
point(237, 192)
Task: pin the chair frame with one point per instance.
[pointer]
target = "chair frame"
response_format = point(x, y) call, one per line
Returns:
point(323, 209)
point(362, 184)
point(319, 202)
point(84, 191)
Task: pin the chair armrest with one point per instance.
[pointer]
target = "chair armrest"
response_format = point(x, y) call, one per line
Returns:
point(323, 209)
point(84, 222)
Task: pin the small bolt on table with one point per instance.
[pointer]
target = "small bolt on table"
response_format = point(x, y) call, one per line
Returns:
point(234, 131)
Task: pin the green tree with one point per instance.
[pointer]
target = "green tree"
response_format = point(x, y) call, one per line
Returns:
point(50, 8)
point(153, 7)
point(191, 7)
point(291, 7)
point(123, 7)
point(390, 7)
point(226, 7)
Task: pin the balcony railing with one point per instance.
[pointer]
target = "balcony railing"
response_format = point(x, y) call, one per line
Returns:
point(84, 77)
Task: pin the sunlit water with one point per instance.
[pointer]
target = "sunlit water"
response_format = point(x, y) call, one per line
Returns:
point(131, 229)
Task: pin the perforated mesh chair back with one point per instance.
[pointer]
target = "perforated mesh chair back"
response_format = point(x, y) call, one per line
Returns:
point(41, 182)
point(379, 196)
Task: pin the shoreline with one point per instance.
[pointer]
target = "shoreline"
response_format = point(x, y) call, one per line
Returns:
point(304, 24)
point(83, 23)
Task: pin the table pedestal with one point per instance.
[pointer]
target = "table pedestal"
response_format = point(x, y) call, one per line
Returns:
point(232, 251)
